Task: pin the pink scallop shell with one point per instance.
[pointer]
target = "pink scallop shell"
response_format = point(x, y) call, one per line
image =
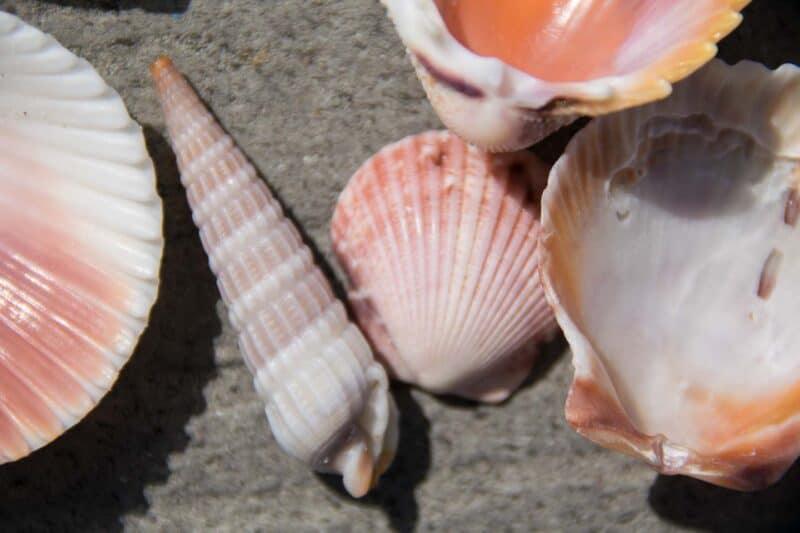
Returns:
point(438, 239)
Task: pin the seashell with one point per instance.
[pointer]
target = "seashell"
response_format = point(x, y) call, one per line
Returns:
point(504, 75)
point(438, 239)
point(327, 400)
point(80, 238)
point(671, 256)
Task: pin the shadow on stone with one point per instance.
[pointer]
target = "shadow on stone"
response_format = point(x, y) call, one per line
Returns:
point(395, 491)
point(98, 471)
point(154, 6)
point(552, 147)
point(691, 503)
point(768, 34)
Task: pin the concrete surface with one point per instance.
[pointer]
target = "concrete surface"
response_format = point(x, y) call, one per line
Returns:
point(310, 89)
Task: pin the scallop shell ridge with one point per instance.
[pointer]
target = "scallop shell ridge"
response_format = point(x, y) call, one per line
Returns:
point(438, 239)
point(80, 237)
point(327, 400)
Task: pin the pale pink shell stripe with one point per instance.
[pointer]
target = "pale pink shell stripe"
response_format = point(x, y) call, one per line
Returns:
point(80, 238)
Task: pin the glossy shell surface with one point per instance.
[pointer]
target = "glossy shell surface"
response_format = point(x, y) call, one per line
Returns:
point(438, 239)
point(80, 238)
point(327, 400)
point(503, 75)
point(671, 255)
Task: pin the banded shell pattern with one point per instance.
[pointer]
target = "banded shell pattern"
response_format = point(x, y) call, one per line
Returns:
point(327, 400)
point(438, 239)
point(80, 238)
point(504, 74)
point(671, 255)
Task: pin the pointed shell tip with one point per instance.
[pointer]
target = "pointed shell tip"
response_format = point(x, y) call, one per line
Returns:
point(161, 64)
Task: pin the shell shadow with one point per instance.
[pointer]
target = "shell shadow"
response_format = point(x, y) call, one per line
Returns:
point(549, 354)
point(98, 471)
point(768, 34)
point(692, 503)
point(552, 147)
point(395, 491)
point(153, 6)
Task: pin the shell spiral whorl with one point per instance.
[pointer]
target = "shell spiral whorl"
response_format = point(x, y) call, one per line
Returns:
point(327, 399)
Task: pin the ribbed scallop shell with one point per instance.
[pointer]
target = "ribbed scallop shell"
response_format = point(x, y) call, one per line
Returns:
point(80, 238)
point(327, 400)
point(506, 73)
point(671, 255)
point(439, 241)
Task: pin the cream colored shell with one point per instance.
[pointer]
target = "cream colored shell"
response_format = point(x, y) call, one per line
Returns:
point(671, 256)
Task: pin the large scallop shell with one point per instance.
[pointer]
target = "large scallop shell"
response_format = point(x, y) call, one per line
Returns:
point(504, 74)
point(80, 238)
point(327, 400)
point(438, 239)
point(671, 255)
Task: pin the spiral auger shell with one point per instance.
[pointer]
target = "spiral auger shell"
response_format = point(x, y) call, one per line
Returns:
point(327, 400)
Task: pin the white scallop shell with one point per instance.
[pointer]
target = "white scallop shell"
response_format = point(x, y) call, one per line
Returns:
point(438, 239)
point(80, 238)
point(327, 400)
point(503, 107)
point(671, 255)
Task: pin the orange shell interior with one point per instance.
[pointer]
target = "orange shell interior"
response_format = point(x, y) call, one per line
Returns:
point(554, 40)
point(579, 40)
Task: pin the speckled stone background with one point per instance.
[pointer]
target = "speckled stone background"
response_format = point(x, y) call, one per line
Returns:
point(311, 88)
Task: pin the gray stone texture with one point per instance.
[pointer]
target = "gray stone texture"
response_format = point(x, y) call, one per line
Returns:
point(310, 89)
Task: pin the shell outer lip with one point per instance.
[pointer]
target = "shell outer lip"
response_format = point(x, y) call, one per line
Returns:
point(598, 416)
point(593, 408)
point(423, 30)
